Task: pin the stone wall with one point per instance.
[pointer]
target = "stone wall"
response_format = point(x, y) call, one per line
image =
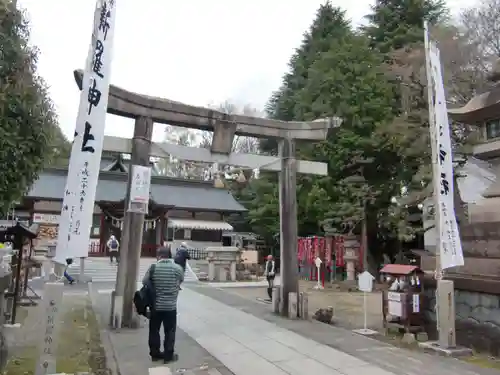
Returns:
point(481, 239)
point(477, 319)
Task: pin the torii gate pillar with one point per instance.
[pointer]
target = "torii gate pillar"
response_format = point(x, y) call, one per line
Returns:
point(288, 223)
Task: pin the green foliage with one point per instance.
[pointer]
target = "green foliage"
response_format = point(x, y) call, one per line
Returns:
point(261, 198)
point(348, 82)
point(374, 81)
point(394, 24)
point(28, 123)
point(330, 23)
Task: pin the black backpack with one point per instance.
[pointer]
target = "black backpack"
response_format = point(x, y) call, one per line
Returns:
point(146, 296)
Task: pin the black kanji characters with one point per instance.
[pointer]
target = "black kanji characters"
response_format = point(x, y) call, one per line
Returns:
point(97, 62)
point(87, 136)
point(104, 19)
point(445, 185)
point(442, 155)
point(94, 96)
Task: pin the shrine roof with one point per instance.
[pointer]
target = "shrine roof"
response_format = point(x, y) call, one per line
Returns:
point(165, 191)
point(479, 109)
point(399, 269)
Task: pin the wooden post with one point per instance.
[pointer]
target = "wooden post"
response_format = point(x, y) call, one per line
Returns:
point(143, 134)
point(288, 224)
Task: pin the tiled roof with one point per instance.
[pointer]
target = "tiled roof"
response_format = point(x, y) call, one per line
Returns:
point(182, 194)
point(399, 269)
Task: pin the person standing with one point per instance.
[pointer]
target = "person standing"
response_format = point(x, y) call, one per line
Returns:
point(182, 256)
point(270, 273)
point(113, 248)
point(166, 277)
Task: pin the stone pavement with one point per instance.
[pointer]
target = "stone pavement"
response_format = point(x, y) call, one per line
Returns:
point(129, 351)
point(248, 345)
point(335, 347)
point(220, 333)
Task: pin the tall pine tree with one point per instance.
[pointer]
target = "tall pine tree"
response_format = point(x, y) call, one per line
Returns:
point(330, 23)
point(396, 24)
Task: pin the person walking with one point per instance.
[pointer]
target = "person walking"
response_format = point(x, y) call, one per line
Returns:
point(113, 248)
point(68, 277)
point(270, 273)
point(182, 256)
point(165, 276)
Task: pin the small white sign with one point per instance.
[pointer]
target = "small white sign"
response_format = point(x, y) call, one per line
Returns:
point(51, 305)
point(45, 218)
point(141, 183)
point(318, 262)
point(416, 303)
point(394, 305)
point(365, 282)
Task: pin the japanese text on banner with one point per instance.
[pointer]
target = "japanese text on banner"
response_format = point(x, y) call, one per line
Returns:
point(83, 171)
point(141, 182)
point(451, 254)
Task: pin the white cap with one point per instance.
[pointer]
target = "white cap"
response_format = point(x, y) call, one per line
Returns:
point(183, 244)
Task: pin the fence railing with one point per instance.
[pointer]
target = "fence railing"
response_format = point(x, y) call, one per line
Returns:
point(198, 254)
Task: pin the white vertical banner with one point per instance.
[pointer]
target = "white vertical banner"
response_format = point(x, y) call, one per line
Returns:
point(83, 171)
point(141, 184)
point(451, 254)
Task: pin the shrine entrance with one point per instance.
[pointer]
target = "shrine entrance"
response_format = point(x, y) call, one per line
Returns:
point(112, 219)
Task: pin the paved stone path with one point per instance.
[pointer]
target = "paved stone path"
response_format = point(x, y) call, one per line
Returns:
point(128, 349)
point(246, 344)
point(222, 333)
point(339, 349)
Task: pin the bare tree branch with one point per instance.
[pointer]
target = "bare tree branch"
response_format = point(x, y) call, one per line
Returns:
point(481, 24)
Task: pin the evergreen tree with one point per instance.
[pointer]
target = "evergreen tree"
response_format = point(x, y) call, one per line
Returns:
point(396, 24)
point(28, 123)
point(330, 23)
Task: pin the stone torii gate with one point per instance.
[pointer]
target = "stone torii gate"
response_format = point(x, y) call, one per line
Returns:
point(146, 110)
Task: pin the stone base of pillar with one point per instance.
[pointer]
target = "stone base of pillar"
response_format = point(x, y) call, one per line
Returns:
point(350, 270)
point(304, 306)
point(211, 271)
point(233, 271)
point(292, 305)
point(445, 298)
point(81, 277)
point(276, 300)
point(115, 320)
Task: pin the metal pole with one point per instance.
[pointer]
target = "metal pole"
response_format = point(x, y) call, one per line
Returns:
point(444, 288)
point(364, 237)
point(288, 223)
point(141, 147)
point(435, 165)
point(365, 326)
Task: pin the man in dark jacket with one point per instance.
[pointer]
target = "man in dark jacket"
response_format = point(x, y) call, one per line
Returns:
point(182, 256)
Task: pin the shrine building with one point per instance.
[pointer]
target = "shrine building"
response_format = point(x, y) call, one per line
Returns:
point(179, 210)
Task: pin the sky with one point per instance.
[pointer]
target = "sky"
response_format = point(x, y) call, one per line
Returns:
point(194, 51)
